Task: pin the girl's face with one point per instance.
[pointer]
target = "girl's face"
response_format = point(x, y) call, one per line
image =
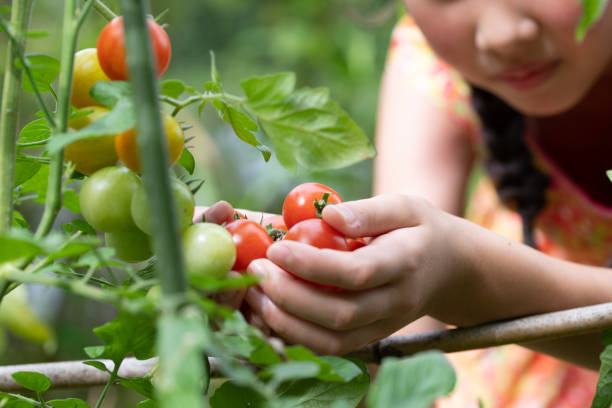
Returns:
point(524, 51)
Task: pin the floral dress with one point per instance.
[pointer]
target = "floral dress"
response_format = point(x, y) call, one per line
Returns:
point(571, 227)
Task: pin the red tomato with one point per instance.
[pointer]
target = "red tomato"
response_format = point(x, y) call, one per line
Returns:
point(317, 233)
point(355, 243)
point(251, 241)
point(111, 49)
point(299, 204)
point(275, 222)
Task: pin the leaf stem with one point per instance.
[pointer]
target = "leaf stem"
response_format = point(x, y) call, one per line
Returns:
point(104, 10)
point(111, 380)
point(203, 97)
point(20, 15)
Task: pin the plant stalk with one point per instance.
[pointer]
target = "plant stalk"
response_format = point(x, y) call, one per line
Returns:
point(20, 16)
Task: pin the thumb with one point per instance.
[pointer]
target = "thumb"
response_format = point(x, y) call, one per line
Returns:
point(375, 216)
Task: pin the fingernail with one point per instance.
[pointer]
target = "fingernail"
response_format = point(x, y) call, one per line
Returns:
point(348, 215)
point(257, 269)
point(278, 253)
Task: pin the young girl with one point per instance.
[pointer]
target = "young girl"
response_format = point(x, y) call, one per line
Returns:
point(503, 80)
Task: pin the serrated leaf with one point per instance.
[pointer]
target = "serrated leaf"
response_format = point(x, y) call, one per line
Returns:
point(35, 131)
point(68, 403)
point(414, 382)
point(187, 161)
point(141, 385)
point(44, 70)
point(32, 380)
point(172, 88)
point(84, 227)
point(591, 12)
point(307, 128)
point(17, 243)
point(120, 119)
point(97, 364)
point(127, 333)
point(235, 396)
point(180, 359)
point(25, 169)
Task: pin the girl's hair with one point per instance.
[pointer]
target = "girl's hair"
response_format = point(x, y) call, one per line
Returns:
point(519, 183)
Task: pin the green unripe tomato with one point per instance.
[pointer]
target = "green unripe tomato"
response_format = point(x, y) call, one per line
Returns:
point(184, 204)
point(106, 197)
point(208, 249)
point(131, 245)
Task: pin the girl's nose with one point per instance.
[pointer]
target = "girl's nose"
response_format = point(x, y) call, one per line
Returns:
point(502, 30)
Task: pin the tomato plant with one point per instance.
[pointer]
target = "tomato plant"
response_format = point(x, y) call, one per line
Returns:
point(111, 48)
point(303, 201)
point(183, 201)
point(131, 245)
point(86, 73)
point(127, 147)
point(106, 198)
point(251, 240)
point(208, 249)
point(90, 155)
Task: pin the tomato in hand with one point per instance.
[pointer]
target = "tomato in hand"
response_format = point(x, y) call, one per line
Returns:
point(111, 49)
point(106, 197)
point(251, 240)
point(275, 222)
point(86, 73)
point(131, 245)
point(299, 204)
point(184, 205)
point(208, 250)
point(355, 243)
point(90, 155)
point(127, 147)
point(317, 233)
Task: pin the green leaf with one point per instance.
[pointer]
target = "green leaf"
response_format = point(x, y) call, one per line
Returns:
point(120, 119)
point(80, 225)
point(211, 284)
point(109, 93)
point(38, 184)
point(141, 385)
point(16, 401)
point(591, 12)
point(236, 396)
point(172, 88)
point(127, 333)
point(35, 131)
point(180, 358)
point(19, 221)
point(331, 368)
point(97, 364)
point(307, 128)
point(147, 404)
point(68, 403)
point(187, 161)
point(17, 243)
point(71, 201)
point(25, 169)
point(75, 248)
point(32, 380)
point(44, 71)
point(603, 392)
point(293, 370)
point(414, 382)
point(314, 393)
point(214, 73)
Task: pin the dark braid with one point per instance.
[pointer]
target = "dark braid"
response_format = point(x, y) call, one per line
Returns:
point(519, 183)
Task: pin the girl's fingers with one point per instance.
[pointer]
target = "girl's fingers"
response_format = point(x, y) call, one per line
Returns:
point(218, 213)
point(327, 307)
point(376, 264)
point(315, 337)
point(375, 216)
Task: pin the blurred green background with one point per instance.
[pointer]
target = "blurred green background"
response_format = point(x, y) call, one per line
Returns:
point(339, 44)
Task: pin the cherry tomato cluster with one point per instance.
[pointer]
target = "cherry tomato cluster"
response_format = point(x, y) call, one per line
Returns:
point(107, 62)
point(300, 221)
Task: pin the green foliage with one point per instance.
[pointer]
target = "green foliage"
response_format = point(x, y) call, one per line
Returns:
point(32, 381)
point(413, 382)
point(603, 392)
point(44, 69)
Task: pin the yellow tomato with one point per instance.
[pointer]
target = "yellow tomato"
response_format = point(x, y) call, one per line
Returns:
point(127, 148)
point(87, 72)
point(91, 154)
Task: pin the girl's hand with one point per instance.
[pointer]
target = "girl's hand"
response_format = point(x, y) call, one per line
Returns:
point(406, 271)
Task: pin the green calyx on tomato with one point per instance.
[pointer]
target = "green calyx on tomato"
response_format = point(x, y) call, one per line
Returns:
point(111, 49)
point(208, 250)
point(106, 198)
point(184, 204)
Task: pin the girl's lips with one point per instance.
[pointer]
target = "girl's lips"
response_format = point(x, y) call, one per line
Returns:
point(529, 76)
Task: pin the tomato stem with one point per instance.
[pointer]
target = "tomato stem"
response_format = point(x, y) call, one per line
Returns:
point(320, 204)
point(104, 10)
point(203, 97)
